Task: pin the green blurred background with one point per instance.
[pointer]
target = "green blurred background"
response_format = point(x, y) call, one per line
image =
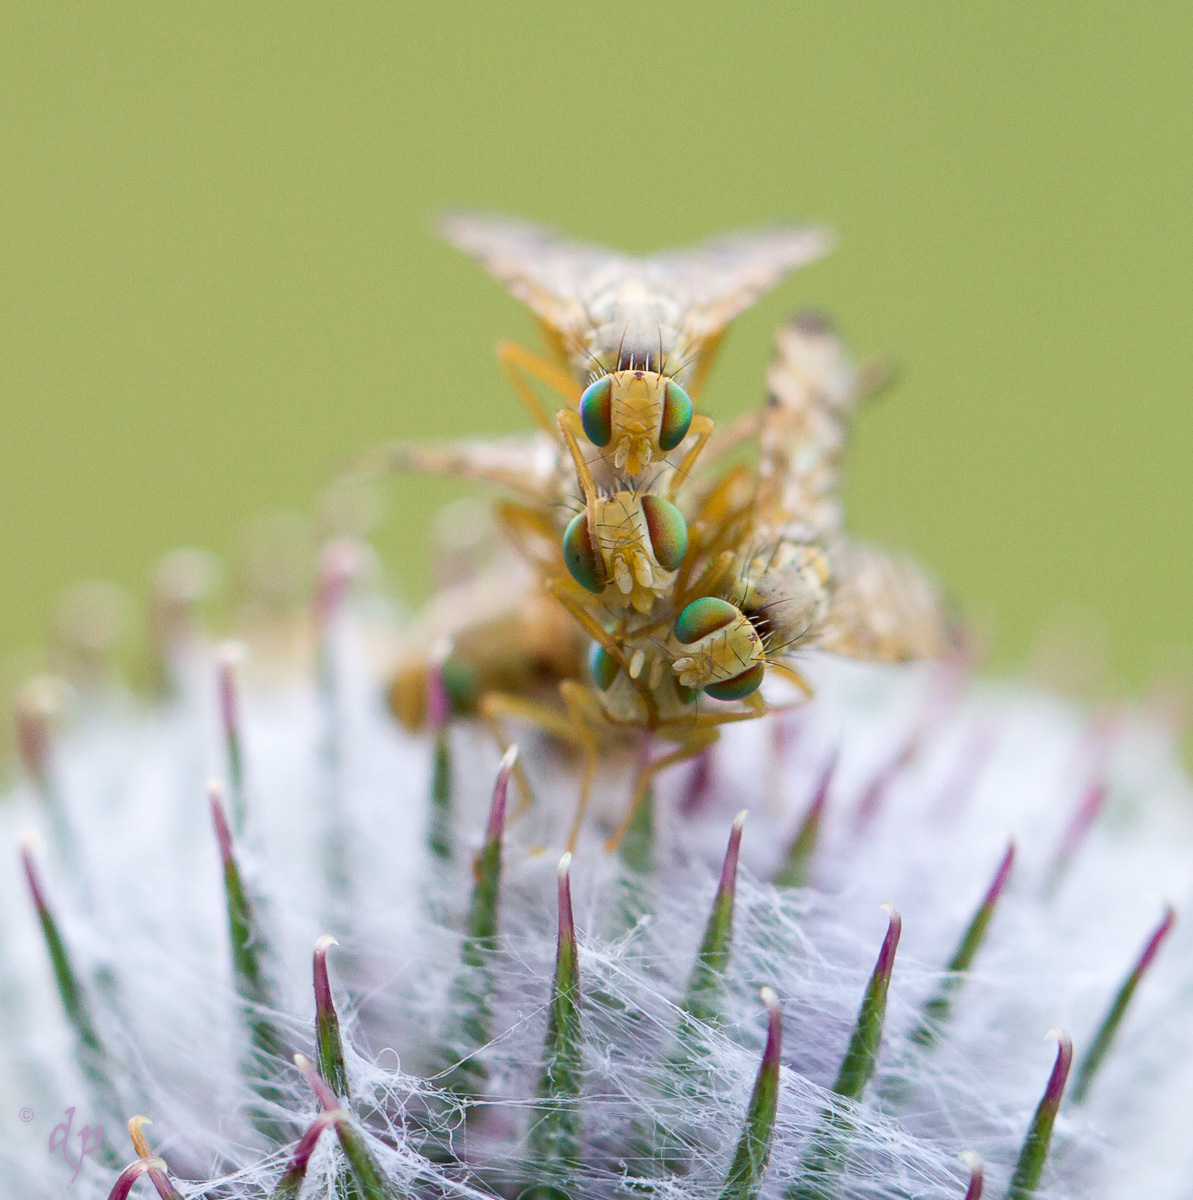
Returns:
point(218, 280)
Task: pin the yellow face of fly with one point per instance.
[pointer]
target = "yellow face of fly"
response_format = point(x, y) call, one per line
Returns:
point(625, 548)
point(637, 401)
point(636, 417)
point(723, 653)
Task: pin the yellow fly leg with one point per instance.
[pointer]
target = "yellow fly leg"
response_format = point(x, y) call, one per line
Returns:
point(694, 736)
point(712, 581)
point(493, 705)
point(702, 427)
point(532, 533)
point(699, 739)
point(573, 726)
point(570, 425)
point(721, 525)
point(792, 676)
point(704, 362)
point(555, 342)
point(518, 362)
point(518, 519)
point(496, 705)
point(585, 711)
point(599, 634)
point(727, 438)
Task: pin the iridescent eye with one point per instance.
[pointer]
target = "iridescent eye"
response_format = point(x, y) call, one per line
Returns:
point(579, 554)
point(462, 684)
point(596, 411)
point(603, 665)
point(739, 686)
point(702, 617)
point(677, 416)
point(668, 531)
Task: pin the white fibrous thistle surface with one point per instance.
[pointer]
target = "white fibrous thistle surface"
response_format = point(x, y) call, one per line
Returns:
point(924, 779)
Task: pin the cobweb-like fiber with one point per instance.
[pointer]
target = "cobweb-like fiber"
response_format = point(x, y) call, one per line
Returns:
point(932, 776)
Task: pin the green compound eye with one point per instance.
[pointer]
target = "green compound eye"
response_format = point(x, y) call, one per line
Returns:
point(739, 686)
point(668, 531)
point(703, 617)
point(596, 411)
point(603, 666)
point(461, 683)
point(677, 416)
point(579, 555)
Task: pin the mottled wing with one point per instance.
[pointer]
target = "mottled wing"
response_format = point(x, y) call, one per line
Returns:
point(814, 387)
point(812, 391)
point(715, 282)
point(884, 608)
point(600, 300)
point(550, 274)
point(532, 466)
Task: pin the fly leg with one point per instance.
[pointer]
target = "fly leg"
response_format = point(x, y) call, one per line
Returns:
point(584, 709)
point(518, 363)
point(569, 424)
point(574, 726)
point(495, 706)
point(693, 740)
point(702, 427)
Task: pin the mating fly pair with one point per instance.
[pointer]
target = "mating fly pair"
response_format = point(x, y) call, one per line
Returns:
point(690, 580)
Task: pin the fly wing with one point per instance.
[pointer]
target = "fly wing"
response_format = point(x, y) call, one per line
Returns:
point(550, 274)
point(813, 388)
point(531, 466)
point(715, 282)
point(885, 608)
point(612, 307)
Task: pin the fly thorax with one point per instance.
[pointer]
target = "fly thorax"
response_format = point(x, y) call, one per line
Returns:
point(789, 602)
point(622, 701)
